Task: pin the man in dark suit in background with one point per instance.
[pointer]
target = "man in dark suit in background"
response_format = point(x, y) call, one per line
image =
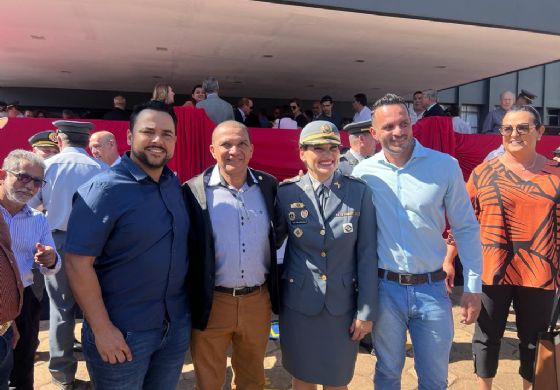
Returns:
point(244, 113)
point(233, 273)
point(429, 99)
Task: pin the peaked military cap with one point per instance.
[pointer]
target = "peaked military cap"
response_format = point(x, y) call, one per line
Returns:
point(356, 128)
point(318, 133)
point(527, 95)
point(75, 127)
point(43, 138)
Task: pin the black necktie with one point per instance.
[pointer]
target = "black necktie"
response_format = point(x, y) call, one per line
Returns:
point(323, 196)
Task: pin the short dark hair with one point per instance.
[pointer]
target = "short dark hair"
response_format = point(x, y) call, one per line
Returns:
point(195, 87)
point(243, 101)
point(453, 110)
point(151, 105)
point(296, 101)
point(530, 109)
point(417, 92)
point(361, 98)
point(388, 100)
point(326, 98)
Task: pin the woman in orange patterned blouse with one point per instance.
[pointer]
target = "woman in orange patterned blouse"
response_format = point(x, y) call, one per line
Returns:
point(515, 197)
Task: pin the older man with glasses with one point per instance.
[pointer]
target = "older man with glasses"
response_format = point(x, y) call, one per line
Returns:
point(21, 177)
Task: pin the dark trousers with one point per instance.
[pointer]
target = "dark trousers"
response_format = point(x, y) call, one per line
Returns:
point(24, 354)
point(532, 315)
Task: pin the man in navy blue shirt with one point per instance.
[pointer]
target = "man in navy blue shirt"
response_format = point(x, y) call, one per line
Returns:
point(126, 259)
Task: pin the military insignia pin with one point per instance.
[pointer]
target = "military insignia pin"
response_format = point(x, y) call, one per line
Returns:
point(291, 215)
point(304, 213)
point(347, 227)
point(298, 232)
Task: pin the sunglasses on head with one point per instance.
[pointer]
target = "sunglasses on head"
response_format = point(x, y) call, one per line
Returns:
point(25, 178)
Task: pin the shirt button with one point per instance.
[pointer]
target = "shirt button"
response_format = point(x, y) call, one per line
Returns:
point(323, 254)
point(322, 232)
point(323, 277)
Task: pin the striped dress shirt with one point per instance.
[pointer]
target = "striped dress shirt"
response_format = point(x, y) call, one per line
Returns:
point(28, 227)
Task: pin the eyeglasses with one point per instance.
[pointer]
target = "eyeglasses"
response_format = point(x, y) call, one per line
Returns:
point(522, 129)
point(25, 178)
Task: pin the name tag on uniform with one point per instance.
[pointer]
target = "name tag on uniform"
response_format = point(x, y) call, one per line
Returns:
point(348, 214)
point(347, 227)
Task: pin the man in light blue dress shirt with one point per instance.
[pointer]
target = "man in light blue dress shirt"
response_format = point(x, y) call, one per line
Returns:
point(21, 177)
point(414, 190)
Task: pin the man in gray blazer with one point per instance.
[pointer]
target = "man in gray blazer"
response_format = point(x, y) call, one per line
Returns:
point(216, 108)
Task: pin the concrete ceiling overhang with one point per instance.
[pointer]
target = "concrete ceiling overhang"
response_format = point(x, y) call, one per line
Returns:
point(254, 48)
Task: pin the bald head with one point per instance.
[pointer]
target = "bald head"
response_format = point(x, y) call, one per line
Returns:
point(225, 126)
point(103, 146)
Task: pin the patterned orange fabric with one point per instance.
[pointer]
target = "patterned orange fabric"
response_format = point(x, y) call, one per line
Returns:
point(519, 224)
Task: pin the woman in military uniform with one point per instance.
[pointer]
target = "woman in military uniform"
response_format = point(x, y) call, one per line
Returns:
point(329, 283)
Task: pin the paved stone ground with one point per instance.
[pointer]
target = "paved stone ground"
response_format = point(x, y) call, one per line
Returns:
point(461, 375)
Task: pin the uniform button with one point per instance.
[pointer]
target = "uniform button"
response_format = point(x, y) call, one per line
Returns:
point(323, 254)
point(322, 232)
point(291, 280)
point(323, 277)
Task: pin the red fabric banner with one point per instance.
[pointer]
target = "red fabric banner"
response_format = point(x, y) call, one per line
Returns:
point(276, 150)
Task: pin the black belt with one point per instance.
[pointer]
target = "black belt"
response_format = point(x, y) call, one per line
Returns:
point(412, 279)
point(237, 291)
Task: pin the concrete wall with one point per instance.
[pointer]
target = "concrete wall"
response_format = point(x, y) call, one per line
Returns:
point(542, 80)
point(539, 15)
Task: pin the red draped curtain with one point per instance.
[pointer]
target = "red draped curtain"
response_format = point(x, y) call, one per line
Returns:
point(276, 150)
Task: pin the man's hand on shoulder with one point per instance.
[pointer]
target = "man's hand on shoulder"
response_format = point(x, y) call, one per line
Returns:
point(470, 307)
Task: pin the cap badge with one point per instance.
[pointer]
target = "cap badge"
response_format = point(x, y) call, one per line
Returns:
point(326, 128)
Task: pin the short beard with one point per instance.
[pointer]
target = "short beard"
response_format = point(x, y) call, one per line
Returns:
point(141, 156)
point(13, 197)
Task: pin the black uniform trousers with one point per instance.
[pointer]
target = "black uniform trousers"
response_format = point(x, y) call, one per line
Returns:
point(24, 354)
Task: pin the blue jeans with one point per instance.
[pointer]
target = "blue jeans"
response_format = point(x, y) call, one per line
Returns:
point(6, 358)
point(157, 358)
point(425, 310)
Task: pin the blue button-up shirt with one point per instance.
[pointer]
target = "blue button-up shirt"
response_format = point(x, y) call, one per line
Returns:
point(137, 230)
point(28, 227)
point(240, 224)
point(412, 202)
point(64, 173)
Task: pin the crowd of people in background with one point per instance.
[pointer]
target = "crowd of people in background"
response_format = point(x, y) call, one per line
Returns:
point(291, 115)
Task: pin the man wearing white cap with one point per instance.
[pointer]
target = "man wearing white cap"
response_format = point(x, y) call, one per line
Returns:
point(64, 173)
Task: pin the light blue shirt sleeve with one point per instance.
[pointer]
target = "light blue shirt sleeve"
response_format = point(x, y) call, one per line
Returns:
point(465, 228)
